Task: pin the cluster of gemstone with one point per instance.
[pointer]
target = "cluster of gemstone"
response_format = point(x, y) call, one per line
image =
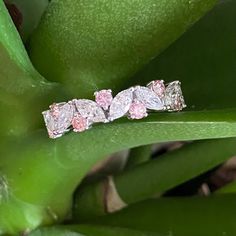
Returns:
point(80, 114)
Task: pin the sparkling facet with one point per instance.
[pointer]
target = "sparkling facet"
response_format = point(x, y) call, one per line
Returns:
point(58, 119)
point(55, 110)
point(174, 100)
point(148, 98)
point(137, 110)
point(158, 87)
point(104, 98)
point(79, 123)
point(121, 104)
point(90, 110)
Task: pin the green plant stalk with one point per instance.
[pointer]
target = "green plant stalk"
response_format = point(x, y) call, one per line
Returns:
point(43, 167)
point(90, 230)
point(138, 155)
point(93, 45)
point(206, 216)
point(154, 177)
point(23, 92)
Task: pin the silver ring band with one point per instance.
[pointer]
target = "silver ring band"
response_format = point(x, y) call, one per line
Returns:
point(135, 103)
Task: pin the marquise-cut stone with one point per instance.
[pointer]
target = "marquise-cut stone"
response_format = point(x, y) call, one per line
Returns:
point(148, 98)
point(121, 104)
point(174, 99)
point(90, 110)
point(58, 119)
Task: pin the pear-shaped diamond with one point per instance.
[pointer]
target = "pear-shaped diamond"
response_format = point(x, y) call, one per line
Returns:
point(121, 104)
point(58, 119)
point(90, 110)
point(148, 98)
point(174, 99)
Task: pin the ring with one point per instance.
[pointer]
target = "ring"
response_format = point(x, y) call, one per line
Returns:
point(135, 103)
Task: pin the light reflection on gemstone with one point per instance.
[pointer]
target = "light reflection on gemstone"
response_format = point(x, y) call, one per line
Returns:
point(58, 119)
point(90, 110)
point(148, 98)
point(79, 123)
point(104, 98)
point(121, 104)
point(174, 100)
point(137, 110)
point(158, 87)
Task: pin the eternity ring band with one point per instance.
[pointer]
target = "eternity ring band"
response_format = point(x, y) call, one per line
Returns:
point(135, 103)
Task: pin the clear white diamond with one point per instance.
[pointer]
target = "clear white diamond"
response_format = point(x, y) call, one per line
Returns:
point(58, 119)
point(174, 99)
point(148, 98)
point(121, 104)
point(90, 110)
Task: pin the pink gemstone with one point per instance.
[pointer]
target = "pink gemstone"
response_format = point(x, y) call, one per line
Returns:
point(79, 123)
point(55, 110)
point(158, 87)
point(104, 98)
point(137, 110)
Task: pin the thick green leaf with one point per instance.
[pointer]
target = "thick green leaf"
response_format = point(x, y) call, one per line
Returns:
point(55, 231)
point(17, 72)
point(138, 155)
point(36, 169)
point(44, 167)
point(91, 45)
point(206, 216)
point(154, 177)
point(22, 90)
point(90, 230)
point(203, 59)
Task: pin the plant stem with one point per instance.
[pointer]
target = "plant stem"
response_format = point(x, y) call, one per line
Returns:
point(155, 177)
point(105, 42)
point(138, 155)
point(195, 216)
point(37, 169)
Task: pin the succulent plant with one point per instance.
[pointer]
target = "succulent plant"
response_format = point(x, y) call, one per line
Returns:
point(55, 51)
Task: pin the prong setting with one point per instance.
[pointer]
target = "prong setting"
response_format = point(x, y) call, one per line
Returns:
point(135, 102)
